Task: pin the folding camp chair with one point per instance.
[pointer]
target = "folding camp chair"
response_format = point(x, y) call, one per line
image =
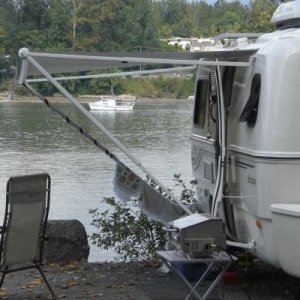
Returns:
point(23, 231)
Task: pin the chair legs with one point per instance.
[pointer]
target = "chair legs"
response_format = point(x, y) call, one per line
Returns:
point(5, 271)
point(2, 277)
point(46, 281)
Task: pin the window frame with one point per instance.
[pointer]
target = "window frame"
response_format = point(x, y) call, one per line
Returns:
point(202, 90)
point(250, 110)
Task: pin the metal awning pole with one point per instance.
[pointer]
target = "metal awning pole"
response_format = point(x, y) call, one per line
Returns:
point(218, 193)
point(144, 60)
point(25, 54)
point(119, 74)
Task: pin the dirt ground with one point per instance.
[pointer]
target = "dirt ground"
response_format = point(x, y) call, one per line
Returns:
point(118, 281)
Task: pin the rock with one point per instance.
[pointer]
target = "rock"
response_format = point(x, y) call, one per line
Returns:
point(66, 241)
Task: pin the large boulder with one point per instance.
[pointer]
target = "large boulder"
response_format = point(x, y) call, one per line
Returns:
point(66, 240)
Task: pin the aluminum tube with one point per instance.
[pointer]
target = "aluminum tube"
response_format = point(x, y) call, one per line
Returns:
point(26, 55)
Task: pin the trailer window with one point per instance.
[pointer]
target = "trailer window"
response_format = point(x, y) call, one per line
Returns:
point(249, 113)
point(200, 104)
point(227, 83)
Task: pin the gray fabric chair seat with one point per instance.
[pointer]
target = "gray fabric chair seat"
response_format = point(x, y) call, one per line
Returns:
point(23, 230)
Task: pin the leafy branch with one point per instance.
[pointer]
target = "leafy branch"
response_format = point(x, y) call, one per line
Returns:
point(127, 230)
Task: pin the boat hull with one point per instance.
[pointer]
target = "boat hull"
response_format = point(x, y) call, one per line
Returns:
point(95, 106)
point(110, 103)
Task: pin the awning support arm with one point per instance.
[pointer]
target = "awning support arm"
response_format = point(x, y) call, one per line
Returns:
point(25, 54)
point(124, 60)
point(119, 74)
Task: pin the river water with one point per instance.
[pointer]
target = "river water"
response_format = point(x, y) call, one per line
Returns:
point(33, 139)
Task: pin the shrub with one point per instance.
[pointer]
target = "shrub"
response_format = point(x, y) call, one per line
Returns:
point(128, 231)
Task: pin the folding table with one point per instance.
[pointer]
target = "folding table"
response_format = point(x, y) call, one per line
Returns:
point(174, 258)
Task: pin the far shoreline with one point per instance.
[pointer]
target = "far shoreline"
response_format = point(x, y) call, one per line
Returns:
point(86, 99)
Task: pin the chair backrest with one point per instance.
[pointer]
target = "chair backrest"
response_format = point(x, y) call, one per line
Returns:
point(26, 214)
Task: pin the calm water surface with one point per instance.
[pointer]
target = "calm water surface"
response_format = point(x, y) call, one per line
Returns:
point(33, 139)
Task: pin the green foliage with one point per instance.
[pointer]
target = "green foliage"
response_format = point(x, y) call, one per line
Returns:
point(260, 15)
point(122, 25)
point(155, 87)
point(119, 25)
point(230, 21)
point(128, 231)
point(175, 13)
point(58, 34)
point(159, 87)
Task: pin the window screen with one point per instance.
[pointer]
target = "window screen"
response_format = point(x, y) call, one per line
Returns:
point(200, 104)
point(249, 113)
point(228, 78)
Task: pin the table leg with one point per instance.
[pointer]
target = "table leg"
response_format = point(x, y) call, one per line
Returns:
point(200, 280)
point(215, 282)
point(181, 276)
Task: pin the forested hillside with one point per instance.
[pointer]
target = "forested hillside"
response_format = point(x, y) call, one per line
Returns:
point(118, 25)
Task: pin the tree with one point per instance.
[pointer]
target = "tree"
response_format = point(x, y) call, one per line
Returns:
point(115, 25)
point(2, 37)
point(175, 14)
point(121, 25)
point(260, 16)
point(200, 14)
point(2, 29)
point(227, 17)
point(230, 22)
point(26, 24)
point(33, 14)
point(60, 28)
point(92, 21)
point(76, 7)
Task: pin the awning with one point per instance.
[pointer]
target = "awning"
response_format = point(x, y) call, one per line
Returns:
point(59, 63)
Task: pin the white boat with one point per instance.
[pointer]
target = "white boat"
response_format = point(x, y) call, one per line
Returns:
point(245, 138)
point(119, 103)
